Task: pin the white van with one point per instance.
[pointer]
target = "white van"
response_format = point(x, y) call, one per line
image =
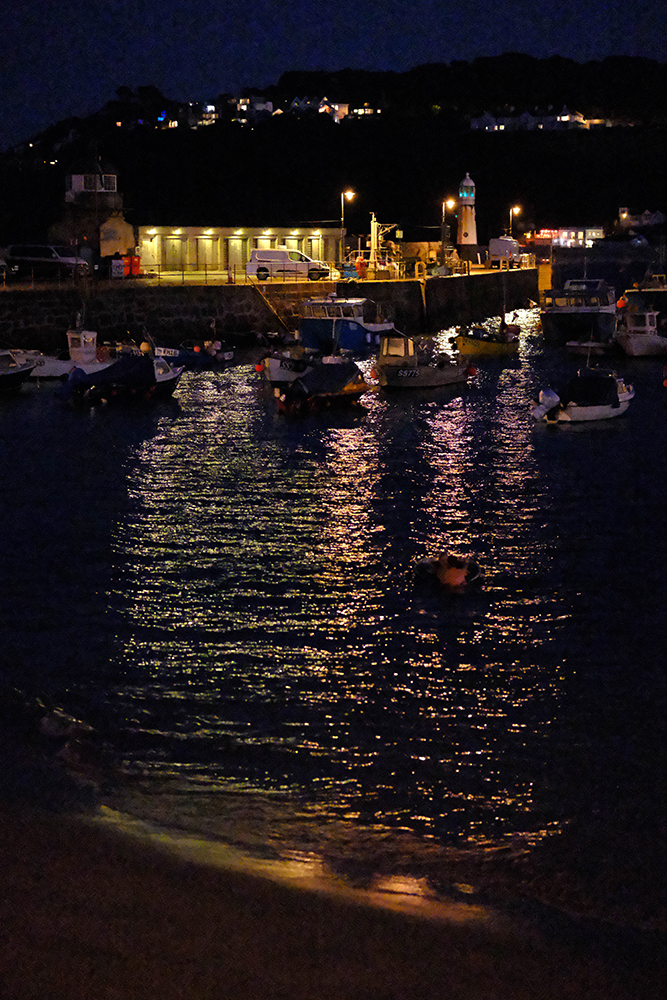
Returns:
point(504, 249)
point(284, 263)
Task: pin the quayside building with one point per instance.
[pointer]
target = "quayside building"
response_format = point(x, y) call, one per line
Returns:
point(192, 248)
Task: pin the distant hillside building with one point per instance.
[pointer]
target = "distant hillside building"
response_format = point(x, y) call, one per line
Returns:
point(526, 121)
point(628, 221)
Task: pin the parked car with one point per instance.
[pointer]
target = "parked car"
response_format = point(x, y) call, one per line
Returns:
point(284, 263)
point(47, 263)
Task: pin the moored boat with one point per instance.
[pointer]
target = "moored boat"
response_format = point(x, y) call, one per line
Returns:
point(332, 380)
point(583, 309)
point(479, 340)
point(82, 352)
point(331, 324)
point(131, 377)
point(196, 354)
point(13, 371)
point(640, 332)
point(593, 394)
point(405, 364)
point(285, 365)
point(453, 572)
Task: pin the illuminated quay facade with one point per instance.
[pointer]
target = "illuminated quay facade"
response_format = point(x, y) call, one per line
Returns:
point(193, 248)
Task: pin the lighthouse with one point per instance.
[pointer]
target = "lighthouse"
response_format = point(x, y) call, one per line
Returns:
point(467, 231)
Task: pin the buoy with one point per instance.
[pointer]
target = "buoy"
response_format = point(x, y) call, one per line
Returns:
point(471, 370)
point(197, 348)
point(374, 374)
point(259, 368)
point(145, 347)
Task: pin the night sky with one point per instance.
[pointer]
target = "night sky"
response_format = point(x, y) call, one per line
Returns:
point(67, 57)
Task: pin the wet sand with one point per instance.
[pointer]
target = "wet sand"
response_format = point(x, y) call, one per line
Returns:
point(88, 914)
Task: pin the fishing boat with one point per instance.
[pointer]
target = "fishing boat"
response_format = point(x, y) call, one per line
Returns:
point(13, 371)
point(196, 354)
point(404, 363)
point(332, 324)
point(285, 364)
point(593, 394)
point(131, 377)
point(208, 352)
point(331, 380)
point(479, 340)
point(82, 352)
point(641, 332)
point(583, 309)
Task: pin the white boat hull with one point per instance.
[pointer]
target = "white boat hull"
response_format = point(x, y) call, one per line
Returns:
point(642, 344)
point(579, 414)
point(601, 396)
point(57, 367)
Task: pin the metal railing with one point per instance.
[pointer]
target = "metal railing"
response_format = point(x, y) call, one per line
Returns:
point(236, 274)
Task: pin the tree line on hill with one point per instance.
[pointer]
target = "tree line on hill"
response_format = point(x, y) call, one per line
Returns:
point(622, 88)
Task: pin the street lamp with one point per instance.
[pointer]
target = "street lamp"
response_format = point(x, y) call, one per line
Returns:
point(514, 210)
point(344, 196)
point(449, 204)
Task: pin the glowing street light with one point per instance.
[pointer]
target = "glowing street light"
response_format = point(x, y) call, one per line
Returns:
point(450, 204)
point(344, 196)
point(514, 210)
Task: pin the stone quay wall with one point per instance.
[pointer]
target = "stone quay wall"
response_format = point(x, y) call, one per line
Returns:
point(39, 317)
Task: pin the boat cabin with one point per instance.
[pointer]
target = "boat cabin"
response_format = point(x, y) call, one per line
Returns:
point(397, 347)
point(82, 346)
point(338, 324)
point(580, 294)
point(398, 350)
point(640, 322)
point(332, 307)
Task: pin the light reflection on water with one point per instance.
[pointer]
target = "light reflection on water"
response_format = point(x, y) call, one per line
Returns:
point(260, 653)
point(271, 603)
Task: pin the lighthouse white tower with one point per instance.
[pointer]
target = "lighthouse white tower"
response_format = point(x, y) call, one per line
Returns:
point(467, 230)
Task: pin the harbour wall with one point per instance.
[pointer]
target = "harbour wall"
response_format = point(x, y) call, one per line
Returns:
point(39, 317)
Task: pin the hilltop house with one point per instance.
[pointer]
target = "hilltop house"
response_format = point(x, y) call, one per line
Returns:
point(526, 121)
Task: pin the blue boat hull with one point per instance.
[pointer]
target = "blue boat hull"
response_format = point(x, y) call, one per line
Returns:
point(328, 335)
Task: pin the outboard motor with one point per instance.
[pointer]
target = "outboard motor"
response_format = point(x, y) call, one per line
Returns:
point(548, 399)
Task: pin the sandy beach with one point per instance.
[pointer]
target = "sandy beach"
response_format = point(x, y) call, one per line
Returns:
point(88, 914)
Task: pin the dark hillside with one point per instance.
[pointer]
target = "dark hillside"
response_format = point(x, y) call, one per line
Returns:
point(402, 163)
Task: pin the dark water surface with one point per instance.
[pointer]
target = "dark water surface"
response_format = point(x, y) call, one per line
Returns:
point(228, 595)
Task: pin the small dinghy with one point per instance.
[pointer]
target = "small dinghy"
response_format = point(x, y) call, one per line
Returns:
point(593, 394)
point(451, 571)
point(13, 371)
